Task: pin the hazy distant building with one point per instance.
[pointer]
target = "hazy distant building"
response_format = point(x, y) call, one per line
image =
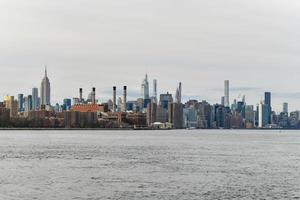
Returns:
point(161, 115)
point(226, 93)
point(45, 90)
point(285, 108)
point(154, 91)
point(145, 88)
point(190, 117)
point(12, 105)
point(35, 98)
point(178, 94)
point(20, 102)
point(175, 114)
point(223, 100)
point(67, 104)
point(263, 115)
point(249, 116)
point(151, 113)
point(165, 100)
point(268, 106)
point(124, 103)
point(30, 108)
point(205, 115)
point(119, 105)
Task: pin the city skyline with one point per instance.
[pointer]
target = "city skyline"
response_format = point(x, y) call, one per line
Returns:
point(253, 44)
point(144, 93)
point(236, 93)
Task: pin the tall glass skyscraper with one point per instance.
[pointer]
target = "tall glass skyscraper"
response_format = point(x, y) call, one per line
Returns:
point(145, 88)
point(268, 105)
point(20, 102)
point(35, 98)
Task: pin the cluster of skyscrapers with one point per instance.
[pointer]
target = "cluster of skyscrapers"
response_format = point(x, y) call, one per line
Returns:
point(151, 111)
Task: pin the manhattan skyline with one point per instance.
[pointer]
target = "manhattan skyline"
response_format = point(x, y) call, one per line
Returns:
point(253, 44)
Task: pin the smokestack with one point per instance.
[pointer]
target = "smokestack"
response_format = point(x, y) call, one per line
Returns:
point(80, 95)
point(94, 96)
point(124, 98)
point(114, 99)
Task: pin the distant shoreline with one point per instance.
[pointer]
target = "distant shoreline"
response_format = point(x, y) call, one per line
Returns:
point(62, 129)
point(128, 129)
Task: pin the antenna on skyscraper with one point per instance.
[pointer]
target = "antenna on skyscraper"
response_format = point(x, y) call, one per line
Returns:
point(46, 70)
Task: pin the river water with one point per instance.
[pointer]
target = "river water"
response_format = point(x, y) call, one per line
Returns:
point(177, 164)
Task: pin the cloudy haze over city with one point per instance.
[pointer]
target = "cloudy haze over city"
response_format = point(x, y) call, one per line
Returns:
point(252, 43)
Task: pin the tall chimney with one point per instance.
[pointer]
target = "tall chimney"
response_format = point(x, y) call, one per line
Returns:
point(124, 98)
point(114, 99)
point(80, 95)
point(94, 96)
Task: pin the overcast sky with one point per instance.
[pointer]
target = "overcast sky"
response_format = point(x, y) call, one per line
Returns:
point(253, 43)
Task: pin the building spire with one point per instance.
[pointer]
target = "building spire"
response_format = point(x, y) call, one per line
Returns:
point(46, 71)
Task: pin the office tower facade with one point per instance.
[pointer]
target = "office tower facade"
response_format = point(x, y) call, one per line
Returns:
point(269, 106)
point(145, 88)
point(263, 115)
point(45, 90)
point(155, 90)
point(165, 100)
point(249, 114)
point(175, 115)
point(12, 105)
point(223, 100)
point(124, 105)
point(114, 99)
point(151, 113)
point(226, 93)
point(20, 102)
point(30, 108)
point(35, 98)
point(285, 108)
point(67, 104)
point(205, 115)
point(190, 119)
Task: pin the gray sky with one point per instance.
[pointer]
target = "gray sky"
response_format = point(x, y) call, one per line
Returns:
point(253, 43)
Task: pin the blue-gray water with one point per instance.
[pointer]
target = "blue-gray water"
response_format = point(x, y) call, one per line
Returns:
point(149, 165)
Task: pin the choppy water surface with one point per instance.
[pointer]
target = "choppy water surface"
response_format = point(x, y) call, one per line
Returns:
point(149, 165)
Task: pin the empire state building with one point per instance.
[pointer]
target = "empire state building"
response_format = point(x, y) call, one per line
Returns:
point(45, 90)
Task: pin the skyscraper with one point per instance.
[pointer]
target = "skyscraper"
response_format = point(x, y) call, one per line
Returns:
point(145, 88)
point(45, 90)
point(285, 108)
point(124, 107)
point(268, 105)
point(155, 89)
point(35, 98)
point(20, 102)
point(29, 98)
point(178, 93)
point(263, 115)
point(226, 93)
